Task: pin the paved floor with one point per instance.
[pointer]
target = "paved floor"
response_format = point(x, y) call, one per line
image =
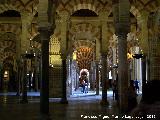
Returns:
point(81, 106)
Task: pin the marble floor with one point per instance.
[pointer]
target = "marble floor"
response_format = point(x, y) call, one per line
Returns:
point(80, 106)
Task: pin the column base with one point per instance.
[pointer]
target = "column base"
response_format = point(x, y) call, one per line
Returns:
point(64, 101)
point(17, 94)
point(104, 102)
point(97, 93)
point(23, 101)
point(44, 117)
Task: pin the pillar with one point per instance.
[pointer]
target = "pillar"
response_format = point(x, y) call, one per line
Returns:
point(24, 86)
point(94, 75)
point(91, 78)
point(44, 84)
point(114, 70)
point(24, 46)
point(64, 79)
point(121, 13)
point(104, 100)
point(63, 48)
point(103, 16)
point(46, 22)
point(26, 19)
point(69, 74)
point(97, 78)
point(143, 77)
point(1, 75)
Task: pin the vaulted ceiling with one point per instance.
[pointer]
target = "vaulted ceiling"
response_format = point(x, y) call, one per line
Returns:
point(80, 30)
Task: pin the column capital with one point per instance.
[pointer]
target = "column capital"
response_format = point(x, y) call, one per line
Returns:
point(143, 18)
point(64, 16)
point(144, 14)
point(26, 16)
point(45, 32)
point(103, 16)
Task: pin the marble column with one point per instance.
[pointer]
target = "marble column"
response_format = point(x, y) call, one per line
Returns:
point(103, 16)
point(69, 74)
point(64, 79)
point(121, 13)
point(44, 84)
point(97, 78)
point(94, 75)
point(123, 72)
point(24, 90)
point(104, 100)
point(46, 24)
point(26, 19)
point(143, 77)
point(1, 76)
point(63, 49)
point(24, 46)
point(91, 78)
point(114, 74)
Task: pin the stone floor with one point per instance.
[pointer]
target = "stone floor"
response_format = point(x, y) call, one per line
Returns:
point(81, 106)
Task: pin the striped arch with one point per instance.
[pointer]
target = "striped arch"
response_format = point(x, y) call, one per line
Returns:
point(7, 45)
point(88, 30)
point(35, 41)
point(18, 5)
point(32, 6)
point(135, 12)
point(6, 7)
point(6, 55)
point(83, 43)
point(95, 5)
point(12, 28)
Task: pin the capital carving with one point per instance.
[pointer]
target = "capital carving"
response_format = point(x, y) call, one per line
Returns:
point(64, 16)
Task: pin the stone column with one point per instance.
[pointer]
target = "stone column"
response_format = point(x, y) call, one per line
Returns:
point(26, 19)
point(143, 77)
point(46, 22)
point(69, 74)
point(121, 13)
point(103, 16)
point(24, 46)
point(44, 84)
point(97, 77)
point(91, 78)
point(64, 79)
point(63, 48)
point(24, 87)
point(104, 100)
point(114, 75)
point(94, 75)
point(1, 76)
